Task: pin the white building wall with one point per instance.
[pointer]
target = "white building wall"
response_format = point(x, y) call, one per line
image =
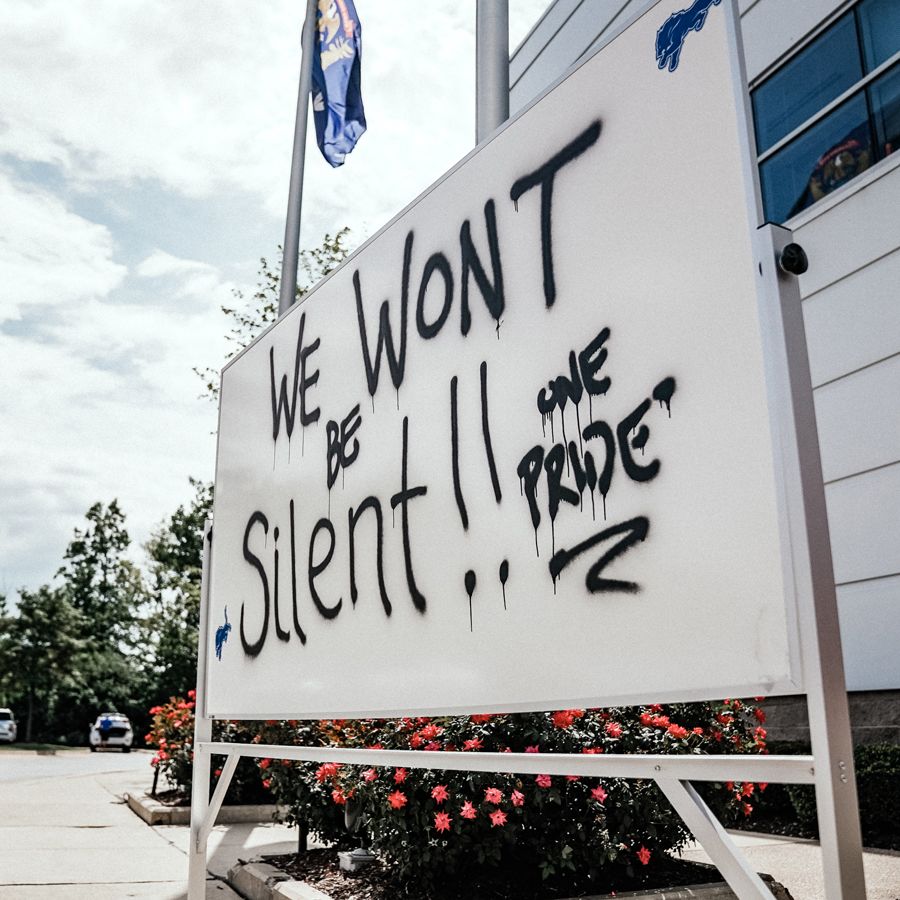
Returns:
point(851, 306)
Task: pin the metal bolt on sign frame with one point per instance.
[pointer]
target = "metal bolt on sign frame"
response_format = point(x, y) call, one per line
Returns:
point(829, 767)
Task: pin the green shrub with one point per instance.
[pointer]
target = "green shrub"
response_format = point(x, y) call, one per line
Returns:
point(430, 824)
point(878, 787)
point(172, 734)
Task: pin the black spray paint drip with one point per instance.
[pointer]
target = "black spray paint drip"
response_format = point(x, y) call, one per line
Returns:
point(663, 393)
point(470, 589)
point(504, 575)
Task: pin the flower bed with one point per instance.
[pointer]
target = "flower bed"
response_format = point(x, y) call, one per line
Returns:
point(567, 834)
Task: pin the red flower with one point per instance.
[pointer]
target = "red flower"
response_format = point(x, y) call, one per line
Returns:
point(763, 785)
point(369, 775)
point(468, 811)
point(326, 771)
point(518, 798)
point(400, 775)
point(439, 793)
point(563, 719)
point(493, 795)
point(416, 741)
point(599, 794)
point(533, 749)
point(432, 745)
point(267, 783)
point(590, 751)
point(729, 785)
point(697, 730)
point(724, 718)
point(481, 718)
point(760, 715)
point(472, 744)
point(613, 729)
point(377, 747)
point(747, 789)
point(430, 732)
point(337, 795)
point(217, 773)
point(441, 821)
point(677, 731)
point(498, 817)
point(397, 799)
point(746, 808)
point(643, 855)
point(544, 781)
point(759, 734)
point(192, 695)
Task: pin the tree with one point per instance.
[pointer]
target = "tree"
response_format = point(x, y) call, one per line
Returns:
point(248, 318)
point(41, 655)
point(100, 582)
point(107, 590)
point(176, 556)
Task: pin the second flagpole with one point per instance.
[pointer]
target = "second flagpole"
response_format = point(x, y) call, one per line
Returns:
point(288, 286)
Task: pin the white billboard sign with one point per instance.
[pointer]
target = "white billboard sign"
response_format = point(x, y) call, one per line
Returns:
point(517, 452)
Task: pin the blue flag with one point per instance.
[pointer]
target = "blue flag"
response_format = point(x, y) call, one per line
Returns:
point(337, 96)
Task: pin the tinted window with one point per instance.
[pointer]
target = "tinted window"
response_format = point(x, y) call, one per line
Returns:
point(879, 26)
point(5, 717)
point(811, 80)
point(822, 159)
point(885, 96)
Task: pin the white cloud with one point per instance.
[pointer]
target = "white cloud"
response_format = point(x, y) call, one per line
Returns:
point(48, 255)
point(187, 100)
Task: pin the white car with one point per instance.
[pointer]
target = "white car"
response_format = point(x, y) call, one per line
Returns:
point(7, 725)
point(111, 730)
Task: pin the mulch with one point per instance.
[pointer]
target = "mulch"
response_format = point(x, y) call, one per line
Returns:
point(320, 869)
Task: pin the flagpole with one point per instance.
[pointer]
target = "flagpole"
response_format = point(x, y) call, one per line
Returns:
point(491, 66)
point(290, 258)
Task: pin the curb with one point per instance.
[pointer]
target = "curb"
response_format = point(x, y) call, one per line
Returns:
point(155, 813)
point(259, 880)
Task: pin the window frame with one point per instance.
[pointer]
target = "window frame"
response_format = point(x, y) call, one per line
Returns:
point(859, 87)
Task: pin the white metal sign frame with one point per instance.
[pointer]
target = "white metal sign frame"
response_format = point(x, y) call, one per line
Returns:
point(829, 768)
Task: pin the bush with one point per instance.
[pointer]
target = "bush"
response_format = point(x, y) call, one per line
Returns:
point(791, 808)
point(429, 825)
point(172, 734)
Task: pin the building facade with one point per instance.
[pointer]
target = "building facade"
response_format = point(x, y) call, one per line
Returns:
point(824, 81)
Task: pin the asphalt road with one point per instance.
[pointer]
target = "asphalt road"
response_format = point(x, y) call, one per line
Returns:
point(18, 765)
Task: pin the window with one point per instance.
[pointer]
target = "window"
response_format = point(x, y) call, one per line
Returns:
point(831, 111)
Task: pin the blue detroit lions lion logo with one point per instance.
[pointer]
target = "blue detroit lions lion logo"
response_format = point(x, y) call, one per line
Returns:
point(671, 36)
point(222, 633)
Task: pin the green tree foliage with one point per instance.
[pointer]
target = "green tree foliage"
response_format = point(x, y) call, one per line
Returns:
point(249, 317)
point(170, 628)
point(107, 590)
point(100, 582)
point(41, 657)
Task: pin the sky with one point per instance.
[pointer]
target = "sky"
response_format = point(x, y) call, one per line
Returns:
point(144, 162)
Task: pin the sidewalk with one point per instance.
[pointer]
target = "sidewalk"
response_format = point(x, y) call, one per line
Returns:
point(797, 864)
point(75, 839)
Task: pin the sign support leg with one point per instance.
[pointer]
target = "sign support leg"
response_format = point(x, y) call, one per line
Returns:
point(202, 737)
point(818, 624)
point(714, 839)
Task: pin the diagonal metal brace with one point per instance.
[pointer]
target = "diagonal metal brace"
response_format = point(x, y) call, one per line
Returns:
point(715, 840)
point(215, 803)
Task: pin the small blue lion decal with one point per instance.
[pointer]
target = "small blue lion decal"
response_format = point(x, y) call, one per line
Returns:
point(671, 36)
point(222, 633)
